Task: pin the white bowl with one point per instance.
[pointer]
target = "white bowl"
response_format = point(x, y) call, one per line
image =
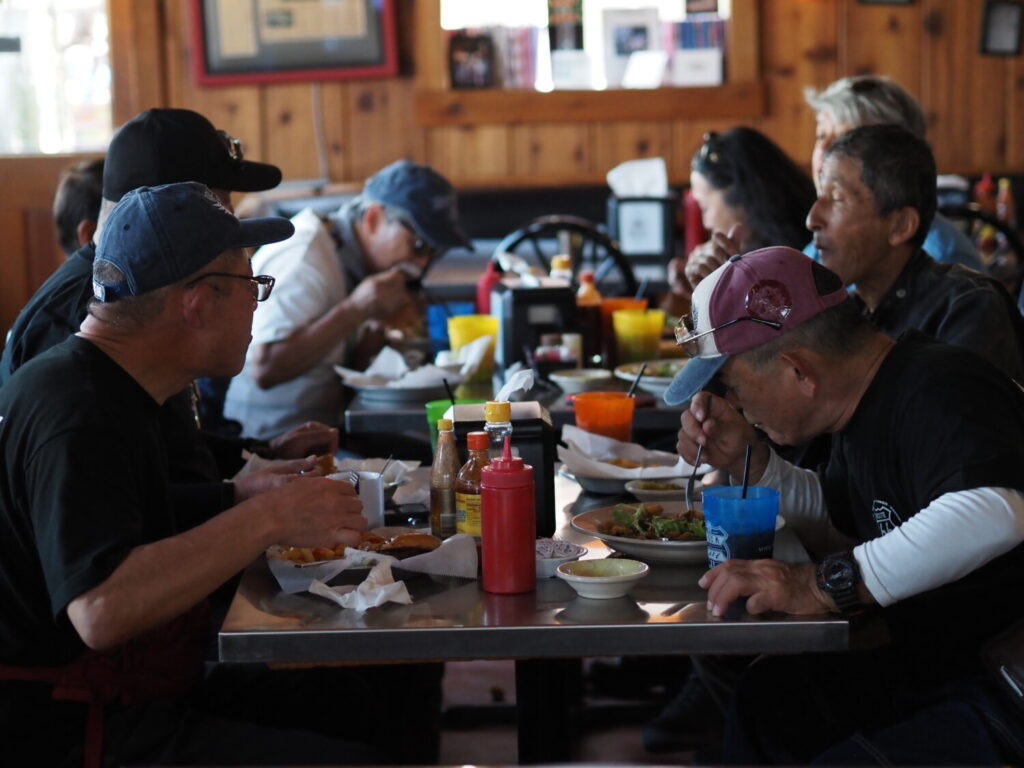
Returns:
point(572, 381)
point(676, 494)
point(568, 552)
point(649, 382)
point(602, 579)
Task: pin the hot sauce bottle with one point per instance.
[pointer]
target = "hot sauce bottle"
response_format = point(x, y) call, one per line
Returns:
point(467, 485)
point(442, 481)
point(508, 526)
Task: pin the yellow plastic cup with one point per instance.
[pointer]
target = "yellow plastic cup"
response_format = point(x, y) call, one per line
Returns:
point(608, 308)
point(463, 329)
point(637, 334)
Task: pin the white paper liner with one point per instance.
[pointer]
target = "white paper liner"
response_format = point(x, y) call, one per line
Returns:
point(587, 452)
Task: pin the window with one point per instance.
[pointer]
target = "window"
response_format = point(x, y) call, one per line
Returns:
point(54, 76)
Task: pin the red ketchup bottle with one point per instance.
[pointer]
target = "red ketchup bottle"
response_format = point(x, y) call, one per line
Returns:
point(508, 528)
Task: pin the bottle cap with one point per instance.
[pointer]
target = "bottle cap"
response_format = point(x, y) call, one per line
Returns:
point(561, 262)
point(478, 441)
point(444, 424)
point(586, 276)
point(507, 471)
point(496, 410)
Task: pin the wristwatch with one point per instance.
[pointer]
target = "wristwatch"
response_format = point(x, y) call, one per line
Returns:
point(838, 576)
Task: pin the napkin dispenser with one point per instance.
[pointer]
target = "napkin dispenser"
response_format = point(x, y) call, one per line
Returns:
point(533, 437)
point(526, 309)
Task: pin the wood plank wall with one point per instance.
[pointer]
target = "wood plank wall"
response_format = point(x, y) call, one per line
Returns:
point(974, 106)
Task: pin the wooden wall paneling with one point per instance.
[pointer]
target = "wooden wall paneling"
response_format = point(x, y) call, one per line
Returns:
point(1015, 115)
point(882, 40)
point(381, 126)
point(945, 83)
point(800, 47)
point(472, 155)
point(289, 116)
point(431, 51)
point(137, 35)
point(235, 109)
point(985, 100)
point(335, 119)
point(615, 143)
point(41, 241)
point(15, 288)
point(553, 150)
point(743, 48)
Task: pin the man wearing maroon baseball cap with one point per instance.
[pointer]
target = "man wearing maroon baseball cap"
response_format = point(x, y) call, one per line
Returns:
point(920, 507)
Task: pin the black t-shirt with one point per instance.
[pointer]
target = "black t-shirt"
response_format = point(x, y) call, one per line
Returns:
point(83, 482)
point(935, 419)
point(53, 313)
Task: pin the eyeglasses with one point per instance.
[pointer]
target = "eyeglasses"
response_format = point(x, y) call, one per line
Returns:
point(259, 285)
point(767, 303)
point(708, 154)
point(420, 247)
point(232, 145)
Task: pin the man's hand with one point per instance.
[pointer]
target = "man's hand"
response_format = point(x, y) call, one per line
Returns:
point(311, 438)
point(710, 421)
point(768, 585)
point(316, 512)
point(274, 476)
point(709, 256)
point(380, 296)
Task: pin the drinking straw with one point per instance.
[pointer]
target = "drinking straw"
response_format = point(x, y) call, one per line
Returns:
point(448, 389)
point(636, 380)
point(642, 289)
point(746, 472)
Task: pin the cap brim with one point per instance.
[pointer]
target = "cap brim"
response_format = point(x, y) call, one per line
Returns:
point(445, 236)
point(249, 176)
point(256, 232)
point(693, 377)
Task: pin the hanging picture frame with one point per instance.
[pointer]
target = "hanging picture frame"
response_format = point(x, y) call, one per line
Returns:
point(260, 41)
point(1001, 28)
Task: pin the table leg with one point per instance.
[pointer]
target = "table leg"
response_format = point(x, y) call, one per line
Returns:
point(547, 690)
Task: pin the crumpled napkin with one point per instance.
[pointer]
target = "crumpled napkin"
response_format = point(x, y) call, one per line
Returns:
point(586, 453)
point(377, 588)
point(394, 474)
point(457, 556)
point(389, 369)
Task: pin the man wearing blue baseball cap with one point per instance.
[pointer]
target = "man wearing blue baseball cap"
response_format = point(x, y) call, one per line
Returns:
point(920, 507)
point(334, 277)
point(103, 577)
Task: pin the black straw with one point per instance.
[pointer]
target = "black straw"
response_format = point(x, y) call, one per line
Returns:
point(746, 472)
point(448, 389)
point(636, 380)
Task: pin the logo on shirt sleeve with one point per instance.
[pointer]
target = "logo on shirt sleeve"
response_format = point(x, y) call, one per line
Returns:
point(885, 516)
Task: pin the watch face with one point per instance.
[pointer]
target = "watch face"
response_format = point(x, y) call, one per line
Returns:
point(838, 574)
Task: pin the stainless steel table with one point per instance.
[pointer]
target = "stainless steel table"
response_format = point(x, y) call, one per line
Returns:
point(453, 619)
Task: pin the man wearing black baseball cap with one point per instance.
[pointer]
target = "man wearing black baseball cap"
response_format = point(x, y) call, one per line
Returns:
point(158, 146)
point(110, 585)
point(334, 276)
point(920, 507)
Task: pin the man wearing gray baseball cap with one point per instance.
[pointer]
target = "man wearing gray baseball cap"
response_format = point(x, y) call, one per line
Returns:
point(111, 584)
point(920, 507)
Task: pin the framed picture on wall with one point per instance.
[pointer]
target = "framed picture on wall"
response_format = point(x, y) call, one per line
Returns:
point(260, 41)
point(471, 60)
point(1001, 27)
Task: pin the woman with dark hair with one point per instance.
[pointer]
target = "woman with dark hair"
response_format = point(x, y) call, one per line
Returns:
point(751, 195)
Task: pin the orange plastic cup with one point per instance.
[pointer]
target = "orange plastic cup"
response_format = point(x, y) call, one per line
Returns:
point(605, 413)
point(608, 306)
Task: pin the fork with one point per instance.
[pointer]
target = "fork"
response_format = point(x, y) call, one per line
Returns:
point(693, 478)
point(352, 478)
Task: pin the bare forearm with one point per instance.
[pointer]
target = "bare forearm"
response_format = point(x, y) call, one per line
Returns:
point(162, 580)
point(282, 361)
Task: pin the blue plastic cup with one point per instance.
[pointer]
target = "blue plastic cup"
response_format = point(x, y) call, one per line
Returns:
point(740, 528)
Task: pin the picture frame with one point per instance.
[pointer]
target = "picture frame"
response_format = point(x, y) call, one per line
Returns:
point(265, 41)
point(885, 2)
point(471, 60)
point(1001, 28)
point(627, 31)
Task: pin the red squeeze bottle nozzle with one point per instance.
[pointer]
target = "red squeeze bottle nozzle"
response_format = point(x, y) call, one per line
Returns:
point(506, 453)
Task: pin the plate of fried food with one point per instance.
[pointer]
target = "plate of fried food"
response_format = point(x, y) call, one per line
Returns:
point(397, 541)
point(653, 533)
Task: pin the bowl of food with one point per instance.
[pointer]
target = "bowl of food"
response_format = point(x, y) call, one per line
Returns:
point(602, 579)
point(662, 489)
point(551, 553)
point(572, 381)
point(657, 375)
